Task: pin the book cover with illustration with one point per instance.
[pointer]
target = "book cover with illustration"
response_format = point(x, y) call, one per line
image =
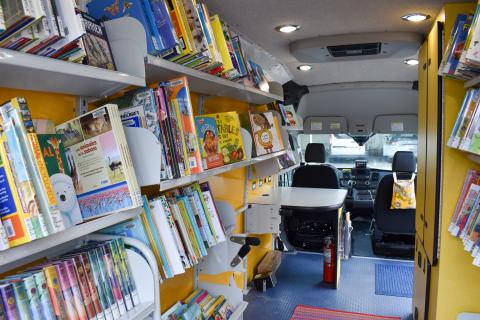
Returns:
point(289, 116)
point(266, 133)
point(230, 137)
point(178, 95)
point(53, 152)
point(208, 138)
point(95, 162)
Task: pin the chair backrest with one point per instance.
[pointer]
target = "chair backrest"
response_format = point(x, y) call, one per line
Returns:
point(400, 221)
point(317, 174)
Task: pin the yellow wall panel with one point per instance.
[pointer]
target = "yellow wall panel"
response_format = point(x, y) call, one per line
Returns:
point(175, 289)
point(43, 105)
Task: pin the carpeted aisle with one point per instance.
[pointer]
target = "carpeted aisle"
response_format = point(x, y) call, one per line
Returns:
point(300, 283)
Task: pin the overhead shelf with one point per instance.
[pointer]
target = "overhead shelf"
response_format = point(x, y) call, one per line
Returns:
point(34, 249)
point(158, 69)
point(30, 72)
point(175, 183)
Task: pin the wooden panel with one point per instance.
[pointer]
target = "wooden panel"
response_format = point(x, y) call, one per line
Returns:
point(421, 283)
point(422, 139)
point(433, 146)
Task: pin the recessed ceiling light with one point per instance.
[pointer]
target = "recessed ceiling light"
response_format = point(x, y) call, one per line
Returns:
point(411, 62)
point(304, 67)
point(287, 28)
point(416, 17)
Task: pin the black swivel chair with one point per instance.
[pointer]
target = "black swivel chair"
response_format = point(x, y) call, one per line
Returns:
point(306, 229)
point(319, 174)
point(394, 228)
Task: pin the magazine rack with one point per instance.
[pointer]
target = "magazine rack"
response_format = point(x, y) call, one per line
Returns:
point(232, 294)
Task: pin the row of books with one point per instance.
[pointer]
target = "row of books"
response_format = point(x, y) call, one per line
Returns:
point(191, 144)
point(56, 29)
point(94, 281)
point(465, 222)
point(465, 134)
point(55, 179)
point(461, 59)
point(184, 32)
point(179, 226)
point(200, 304)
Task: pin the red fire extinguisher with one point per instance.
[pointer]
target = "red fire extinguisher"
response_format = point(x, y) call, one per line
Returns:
point(329, 260)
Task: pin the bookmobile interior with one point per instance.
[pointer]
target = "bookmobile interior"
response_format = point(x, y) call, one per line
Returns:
point(209, 159)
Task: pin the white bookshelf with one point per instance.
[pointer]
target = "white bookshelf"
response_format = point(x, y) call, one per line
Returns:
point(31, 72)
point(140, 312)
point(239, 310)
point(49, 245)
point(157, 70)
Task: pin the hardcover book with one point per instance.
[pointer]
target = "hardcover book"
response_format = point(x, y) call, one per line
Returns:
point(230, 137)
point(208, 139)
point(99, 162)
point(266, 133)
point(95, 43)
point(53, 152)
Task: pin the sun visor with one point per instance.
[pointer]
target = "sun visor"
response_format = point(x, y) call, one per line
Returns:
point(402, 123)
point(325, 125)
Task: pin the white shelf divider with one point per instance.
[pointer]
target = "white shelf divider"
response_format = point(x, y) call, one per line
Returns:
point(238, 313)
point(158, 69)
point(55, 243)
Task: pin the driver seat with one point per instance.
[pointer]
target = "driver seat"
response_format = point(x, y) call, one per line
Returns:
point(318, 175)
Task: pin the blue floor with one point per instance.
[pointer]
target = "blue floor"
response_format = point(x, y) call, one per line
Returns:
point(300, 282)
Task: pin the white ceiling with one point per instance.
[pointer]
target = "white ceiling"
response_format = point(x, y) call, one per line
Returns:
point(256, 19)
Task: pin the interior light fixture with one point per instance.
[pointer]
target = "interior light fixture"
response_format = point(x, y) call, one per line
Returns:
point(304, 67)
point(415, 17)
point(411, 62)
point(287, 28)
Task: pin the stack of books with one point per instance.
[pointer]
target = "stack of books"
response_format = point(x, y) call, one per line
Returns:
point(461, 59)
point(93, 282)
point(55, 180)
point(56, 29)
point(178, 226)
point(200, 305)
point(183, 31)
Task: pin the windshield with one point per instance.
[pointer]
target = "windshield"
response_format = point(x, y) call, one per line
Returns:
point(342, 150)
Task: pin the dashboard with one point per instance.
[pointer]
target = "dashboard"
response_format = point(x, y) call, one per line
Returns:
point(361, 183)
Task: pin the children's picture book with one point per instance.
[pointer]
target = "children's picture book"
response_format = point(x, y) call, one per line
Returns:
point(290, 116)
point(208, 138)
point(53, 152)
point(286, 160)
point(100, 169)
point(266, 133)
point(230, 137)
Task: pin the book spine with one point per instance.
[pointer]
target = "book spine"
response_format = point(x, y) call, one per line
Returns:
point(183, 23)
point(189, 226)
point(4, 245)
point(153, 246)
point(45, 301)
point(120, 275)
point(127, 162)
point(179, 139)
point(21, 299)
point(55, 292)
point(165, 143)
point(33, 298)
point(152, 25)
point(86, 295)
point(67, 291)
point(96, 286)
point(195, 226)
point(112, 278)
point(165, 28)
point(26, 191)
point(127, 271)
point(107, 284)
point(75, 287)
point(9, 302)
point(200, 223)
point(205, 215)
point(3, 26)
point(183, 230)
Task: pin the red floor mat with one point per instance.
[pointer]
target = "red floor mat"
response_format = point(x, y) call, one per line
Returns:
point(312, 313)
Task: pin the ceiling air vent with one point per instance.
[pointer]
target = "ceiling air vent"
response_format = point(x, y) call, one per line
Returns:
point(351, 50)
point(356, 46)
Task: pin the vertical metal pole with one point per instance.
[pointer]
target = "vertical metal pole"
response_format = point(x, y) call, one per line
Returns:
point(81, 106)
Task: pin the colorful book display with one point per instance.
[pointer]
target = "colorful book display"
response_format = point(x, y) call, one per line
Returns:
point(209, 142)
point(65, 287)
point(290, 116)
